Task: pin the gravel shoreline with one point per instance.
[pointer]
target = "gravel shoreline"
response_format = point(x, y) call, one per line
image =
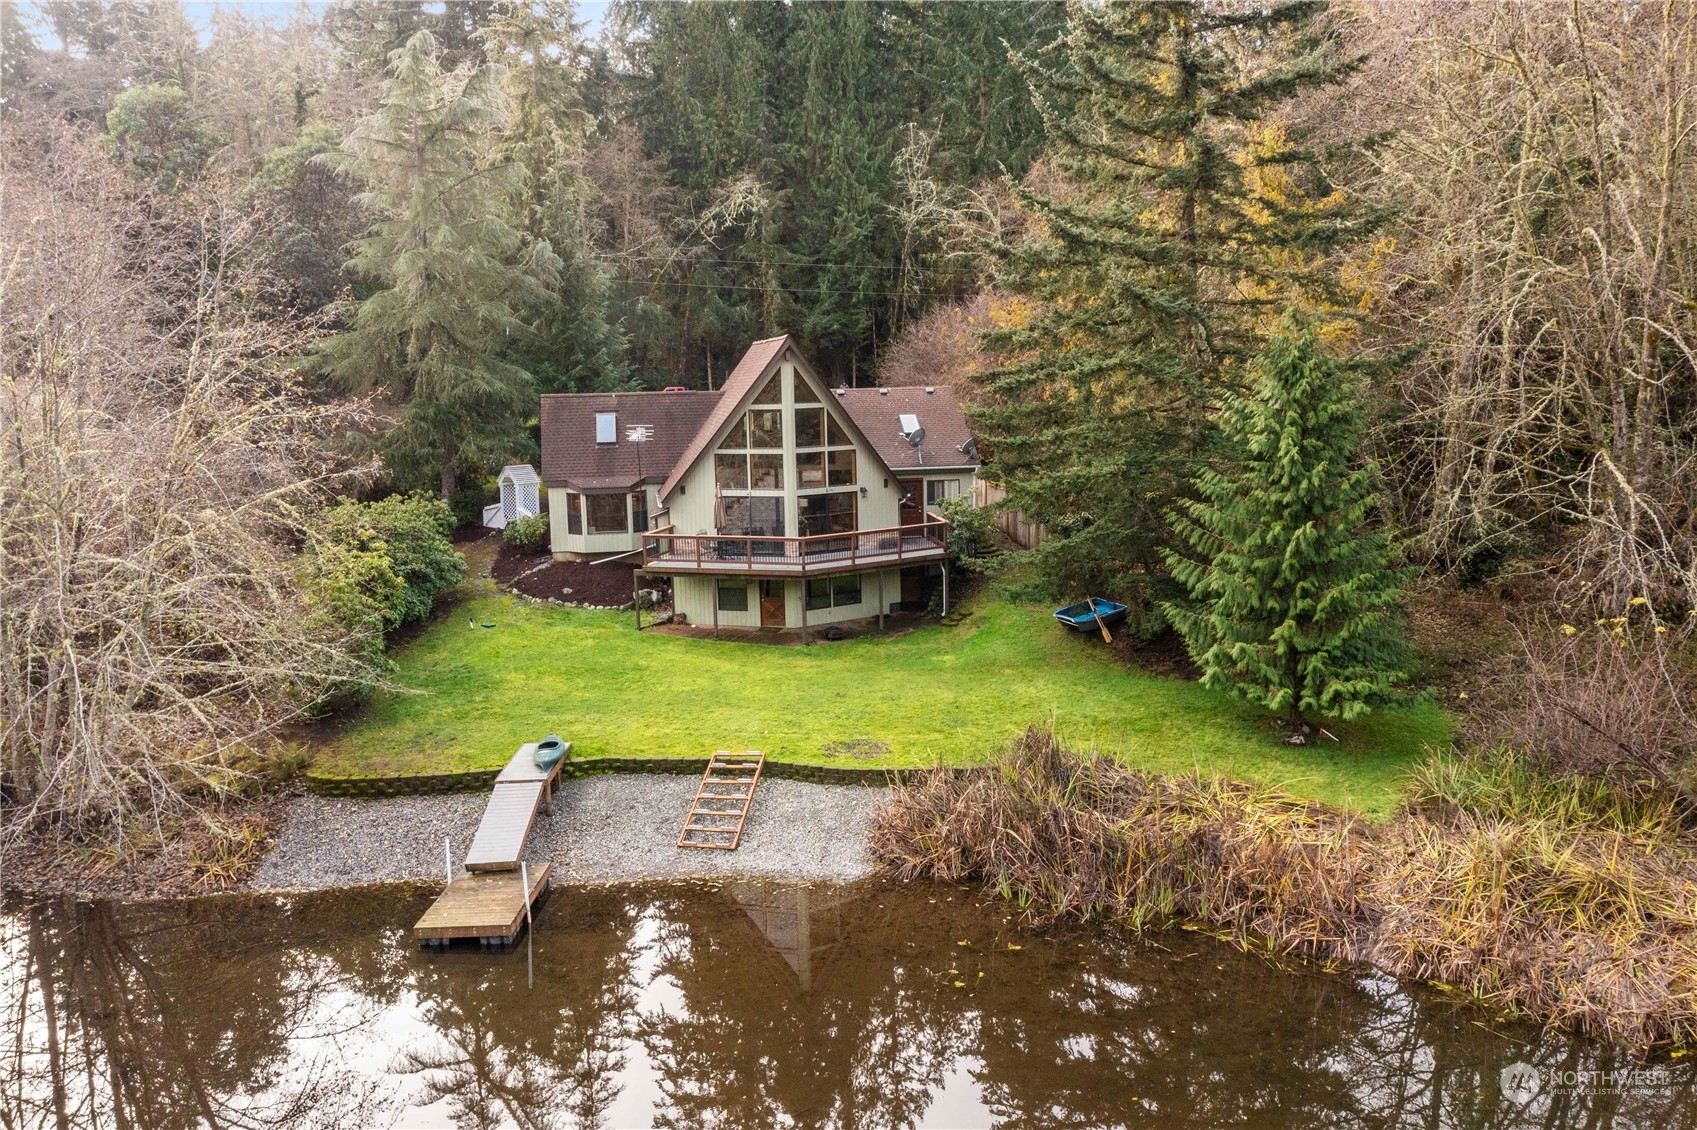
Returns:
point(604, 829)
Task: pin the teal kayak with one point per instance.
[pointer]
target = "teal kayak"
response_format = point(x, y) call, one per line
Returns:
point(549, 751)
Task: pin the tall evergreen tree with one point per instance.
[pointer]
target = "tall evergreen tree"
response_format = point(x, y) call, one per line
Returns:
point(453, 271)
point(368, 32)
point(845, 122)
point(1294, 593)
point(540, 46)
point(958, 82)
point(793, 113)
point(1151, 274)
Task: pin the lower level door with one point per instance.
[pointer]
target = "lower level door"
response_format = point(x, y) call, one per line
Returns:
point(771, 604)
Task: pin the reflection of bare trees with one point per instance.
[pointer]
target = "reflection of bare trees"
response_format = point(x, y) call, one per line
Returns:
point(552, 1057)
point(836, 1039)
point(570, 1082)
point(115, 1018)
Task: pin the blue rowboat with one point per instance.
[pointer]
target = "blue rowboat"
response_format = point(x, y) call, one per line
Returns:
point(1083, 616)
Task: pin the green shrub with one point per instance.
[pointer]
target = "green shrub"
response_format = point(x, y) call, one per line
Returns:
point(468, 502)
point(527, 533)
point(972, 529)
point(358, 591)
point(153, 129)
point(411, 531)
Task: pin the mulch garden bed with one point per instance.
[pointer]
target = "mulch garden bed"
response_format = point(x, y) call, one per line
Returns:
point(576, 582)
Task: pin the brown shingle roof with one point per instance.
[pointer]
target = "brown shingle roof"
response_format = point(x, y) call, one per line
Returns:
point(737, 388)
point(876, 412)
point(686, 424)
point(571, 457)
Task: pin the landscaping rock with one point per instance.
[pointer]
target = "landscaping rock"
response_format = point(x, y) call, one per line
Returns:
point(612, 828)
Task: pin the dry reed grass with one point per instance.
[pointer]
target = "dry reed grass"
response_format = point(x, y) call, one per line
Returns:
point(1538, 897)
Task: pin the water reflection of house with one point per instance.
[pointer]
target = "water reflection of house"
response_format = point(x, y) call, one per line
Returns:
point(800, 922)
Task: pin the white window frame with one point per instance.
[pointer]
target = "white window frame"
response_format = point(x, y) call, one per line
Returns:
point(606, 427)
point(940, 490)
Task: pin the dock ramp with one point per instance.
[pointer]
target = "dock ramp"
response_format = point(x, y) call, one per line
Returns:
point(486, 900)
point(519, 791)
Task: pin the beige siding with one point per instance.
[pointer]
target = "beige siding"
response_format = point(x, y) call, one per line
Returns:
point(964, 480)
point(692, 502)
point(589, 545)
point(868, 605)
point(695, 598)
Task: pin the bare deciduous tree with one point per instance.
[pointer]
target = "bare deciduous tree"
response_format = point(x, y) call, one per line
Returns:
point(158, 473)
point(1544, 159)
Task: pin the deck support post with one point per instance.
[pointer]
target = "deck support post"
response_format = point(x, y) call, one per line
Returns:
point(881, 600)
point(945, 588)
point(635, 598)
point(715, 606)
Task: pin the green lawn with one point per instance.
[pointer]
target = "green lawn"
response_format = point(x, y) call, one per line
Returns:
point(937, 693)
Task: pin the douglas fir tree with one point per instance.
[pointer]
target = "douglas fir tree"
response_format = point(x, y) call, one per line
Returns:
point(453, 272)
point(1183, 222)
point(1294, 592)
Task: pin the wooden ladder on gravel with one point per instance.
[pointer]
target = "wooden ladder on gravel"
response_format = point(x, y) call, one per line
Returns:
point(722, 802)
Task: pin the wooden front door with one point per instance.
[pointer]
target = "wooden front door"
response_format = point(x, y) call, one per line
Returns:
point(913, 501)
point(771, 604)
point(913, 588)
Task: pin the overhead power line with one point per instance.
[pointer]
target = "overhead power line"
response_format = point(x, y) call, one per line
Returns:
point(683, 260)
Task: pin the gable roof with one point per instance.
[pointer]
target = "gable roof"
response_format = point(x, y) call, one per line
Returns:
point(877, 411)
point(738, 387)
point(522, 474)
point(571, 457)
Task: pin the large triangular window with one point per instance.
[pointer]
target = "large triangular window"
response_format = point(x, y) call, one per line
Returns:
point(737, 438)
point(772, 392)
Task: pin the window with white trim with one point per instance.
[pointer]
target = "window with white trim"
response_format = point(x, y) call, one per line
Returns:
point(833, 592)
point(936, 490)
point(608, 513)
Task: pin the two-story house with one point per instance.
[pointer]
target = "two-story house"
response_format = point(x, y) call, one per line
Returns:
point(773, 501)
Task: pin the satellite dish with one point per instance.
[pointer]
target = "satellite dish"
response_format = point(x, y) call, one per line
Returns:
point(916, 436)
point(969, 448)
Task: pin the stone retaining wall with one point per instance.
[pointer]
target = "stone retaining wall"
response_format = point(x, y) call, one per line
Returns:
point(480, 779)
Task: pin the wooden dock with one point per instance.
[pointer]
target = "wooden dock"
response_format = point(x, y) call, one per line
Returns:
point(486, 905)
point(721, 805)
point(519, 791)
point(487, 901)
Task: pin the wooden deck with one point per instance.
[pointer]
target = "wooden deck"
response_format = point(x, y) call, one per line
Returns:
point(520, 789)
point(487, 905)
point(487, 901)
point(666, 551)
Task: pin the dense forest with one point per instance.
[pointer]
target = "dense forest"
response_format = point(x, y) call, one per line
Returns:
point(259, 272)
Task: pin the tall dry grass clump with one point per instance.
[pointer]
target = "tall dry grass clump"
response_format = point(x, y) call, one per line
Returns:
point(1535, 896)
point(1072, 834)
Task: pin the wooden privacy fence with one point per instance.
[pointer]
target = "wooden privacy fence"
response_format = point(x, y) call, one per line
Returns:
point(1011, 522)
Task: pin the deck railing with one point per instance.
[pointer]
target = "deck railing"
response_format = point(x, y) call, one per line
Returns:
point(723, 552)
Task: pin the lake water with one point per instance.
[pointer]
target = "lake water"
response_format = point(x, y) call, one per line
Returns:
point(743, 1005)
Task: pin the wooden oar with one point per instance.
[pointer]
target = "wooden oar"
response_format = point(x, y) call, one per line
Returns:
point(1106, 638)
